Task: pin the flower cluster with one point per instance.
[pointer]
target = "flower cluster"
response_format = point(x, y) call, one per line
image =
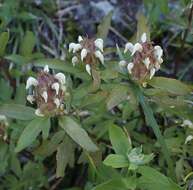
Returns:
point(48, 92)
point(146, 59)
point(89, 51)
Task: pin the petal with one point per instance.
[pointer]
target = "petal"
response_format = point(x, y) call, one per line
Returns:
point(122, 63)
point(146, 62)
point(144, 37)
point(30, 98)
point(137, 47)
point(158, 52)
point(80, 39)
point(45, 96)
point(83, 54)
point(100, 56)
point(31, 81)
point(71, 46)
point(46, 69)
point(39, 113)
point(77, 47)
point(56, 87)
point(88, 69)
point(152, 73)
point(61, 78)
point(128, 46)
point(74, 60)
point(130, 67)
point(57, 102)
point(99, 43)
point(188, 139)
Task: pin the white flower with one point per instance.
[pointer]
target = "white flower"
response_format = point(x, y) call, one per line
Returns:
point(45, 96)
point(57, 102)
point(88, 69)
point(30, 98)
point(77, 47)
point(31, 81)
point(128, 46)
point(61, 78)
point(158, 52)
point(187, 123)
point(100, 56)
point(3, 119)
point(188, 139)
point(122, 63)
point(152, 73)
point(146, 62)
point(137, 47)
point(80, 39)
point(71, 46)
point(39, 113)
point(143, 37)
point(74, 47)
point(74, 60)
point(56, 87)
point(99, 43)
point(133, 48)
point(83, 54)
point(130, 67)
point(46, 69)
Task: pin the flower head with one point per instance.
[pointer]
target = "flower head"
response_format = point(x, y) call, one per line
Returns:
point(89, 51)
point(146, 59)
point(48, 92)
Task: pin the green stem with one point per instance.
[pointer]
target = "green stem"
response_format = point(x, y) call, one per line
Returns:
point(150, 120)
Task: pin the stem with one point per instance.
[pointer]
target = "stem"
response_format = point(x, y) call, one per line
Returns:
point(150, 120)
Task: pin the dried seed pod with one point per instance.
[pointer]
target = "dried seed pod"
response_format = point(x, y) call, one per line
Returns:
point(89, 51)
point(146, 59)
point(49, 92)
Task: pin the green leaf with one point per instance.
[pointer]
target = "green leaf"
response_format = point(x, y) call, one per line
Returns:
point(77, 133)
point(117, 95)
point(62, 160)
point(116, 161)
point(152, 179)
point(27, 44)
point(17, 111)
point(152, 123)
point(46, 129)
point(120, 142)
point(142, 26)
point(172, 86)
point(113, 184)
point(60, 65)
point(29, 134)
point(103, 28)
point(4, 37)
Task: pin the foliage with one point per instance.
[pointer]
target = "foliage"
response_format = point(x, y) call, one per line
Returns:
point(115, 133)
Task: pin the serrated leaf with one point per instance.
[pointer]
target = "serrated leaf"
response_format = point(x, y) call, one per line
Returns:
point(17, 111)
point(77, 133)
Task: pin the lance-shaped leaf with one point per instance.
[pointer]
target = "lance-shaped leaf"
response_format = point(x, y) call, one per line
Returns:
point(17, 111)
point(31, 131)
point(77, 133)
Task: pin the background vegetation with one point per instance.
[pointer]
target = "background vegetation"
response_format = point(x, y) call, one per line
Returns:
point(116, 135)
